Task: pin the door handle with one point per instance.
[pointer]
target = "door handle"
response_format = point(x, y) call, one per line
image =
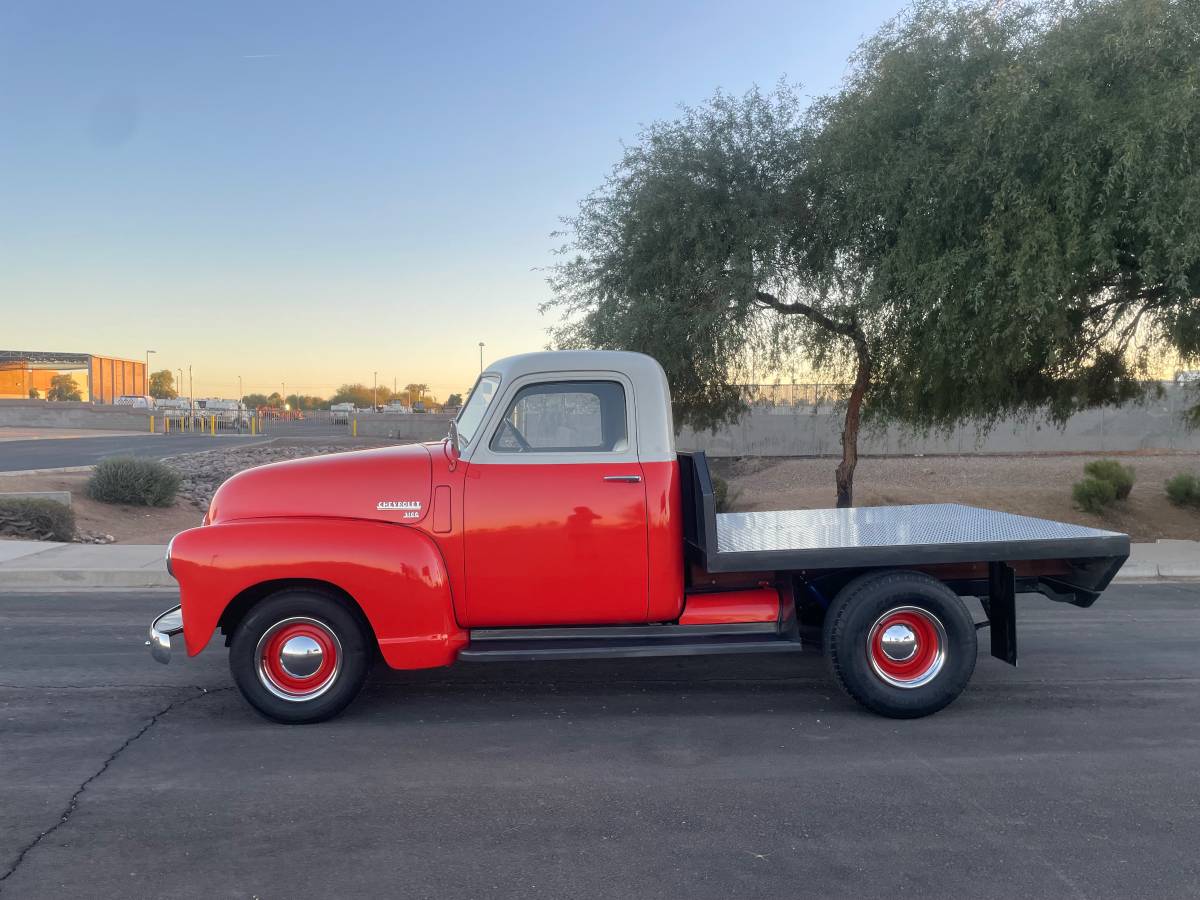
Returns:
point(632, 479)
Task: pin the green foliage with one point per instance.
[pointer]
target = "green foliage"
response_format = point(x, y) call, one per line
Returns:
point(137, 482)
point(1121, 477)
point(1184, 489)
point(1021, 178)
point(306, 402)
point(720, 492)
point(1094, 495)
point(454, 400)
point(162, 385)
point(998, 214)
point(34, 394)
point(64, 387)
point(36, 518)
point(363, 395)
point(254, 401)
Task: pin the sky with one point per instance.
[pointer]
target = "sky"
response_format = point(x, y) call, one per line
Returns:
point(311, 193)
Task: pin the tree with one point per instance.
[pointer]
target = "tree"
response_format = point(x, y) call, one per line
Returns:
point(415, 393)
point(305, 402)
point(1021, 181)
point(454, 401)
point(64, 387)
point(162, 385)
point(361, 395)
point(254, 401)
point(998, 213)
point(692, 251)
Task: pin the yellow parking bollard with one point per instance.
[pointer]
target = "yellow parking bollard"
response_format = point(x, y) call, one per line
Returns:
point(354, 428)
point(152, 424)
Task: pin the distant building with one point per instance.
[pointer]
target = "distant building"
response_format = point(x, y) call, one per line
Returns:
point(101, 379)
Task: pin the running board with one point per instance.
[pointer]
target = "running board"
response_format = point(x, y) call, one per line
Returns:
point(625, 642)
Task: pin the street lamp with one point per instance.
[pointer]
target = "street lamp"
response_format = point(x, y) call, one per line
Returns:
point(146, 373)
point(375, 402)
point(481, 357)
point(241, 396)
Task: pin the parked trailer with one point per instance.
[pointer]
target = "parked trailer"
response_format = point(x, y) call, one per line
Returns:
point(557, 522)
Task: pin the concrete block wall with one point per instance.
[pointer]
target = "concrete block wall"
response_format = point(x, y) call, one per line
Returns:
point(68, 414)
point(412, 428)
point(816, 431)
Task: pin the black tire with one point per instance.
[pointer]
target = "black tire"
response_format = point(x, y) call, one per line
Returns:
point(345, 653)
point(919, 605)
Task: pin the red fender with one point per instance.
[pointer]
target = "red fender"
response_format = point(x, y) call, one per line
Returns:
point(394, 573)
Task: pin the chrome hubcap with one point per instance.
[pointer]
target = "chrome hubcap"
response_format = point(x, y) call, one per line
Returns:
point(301, 656)
point(898, 642)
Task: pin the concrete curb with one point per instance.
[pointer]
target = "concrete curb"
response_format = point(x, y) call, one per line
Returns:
point(61, 470)
point(67, 579)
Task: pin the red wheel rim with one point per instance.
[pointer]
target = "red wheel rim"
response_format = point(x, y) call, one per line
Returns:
point(298, 658)
point(907, 647)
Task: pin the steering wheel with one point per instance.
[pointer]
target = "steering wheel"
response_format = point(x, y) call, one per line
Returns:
point(517, 436)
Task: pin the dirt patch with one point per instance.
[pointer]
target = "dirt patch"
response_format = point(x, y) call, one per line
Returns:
point(127, 524)
point(1028, 485)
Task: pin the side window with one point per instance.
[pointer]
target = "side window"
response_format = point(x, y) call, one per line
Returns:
point(564, 417)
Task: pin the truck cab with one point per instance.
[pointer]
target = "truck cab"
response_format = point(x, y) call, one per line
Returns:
point(558, 521)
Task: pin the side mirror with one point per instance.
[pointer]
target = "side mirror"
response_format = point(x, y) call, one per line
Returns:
point(453, 453)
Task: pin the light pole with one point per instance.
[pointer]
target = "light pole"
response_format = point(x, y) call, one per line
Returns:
point(180, 371)
point(375, 402)
point(191, 392)
point(481, 357)
point(240, 394)
point(146, 373)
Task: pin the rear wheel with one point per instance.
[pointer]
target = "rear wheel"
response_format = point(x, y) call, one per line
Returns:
point(901, 643)
point(299, 656)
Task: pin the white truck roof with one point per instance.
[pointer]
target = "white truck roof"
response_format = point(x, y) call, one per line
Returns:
point(651, 395)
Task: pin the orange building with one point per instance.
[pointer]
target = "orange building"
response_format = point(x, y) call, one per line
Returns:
point(101, 379)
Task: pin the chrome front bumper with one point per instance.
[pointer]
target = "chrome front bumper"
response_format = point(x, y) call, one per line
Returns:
point(161, 629)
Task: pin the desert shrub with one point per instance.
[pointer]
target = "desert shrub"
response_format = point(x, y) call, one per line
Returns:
point(1094, 495)
point(720, 492)
point(36, 518)
point(1112, 471)
point(1184, 489)
point(138, 482)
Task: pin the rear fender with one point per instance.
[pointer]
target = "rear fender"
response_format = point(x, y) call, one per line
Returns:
point(394, 573)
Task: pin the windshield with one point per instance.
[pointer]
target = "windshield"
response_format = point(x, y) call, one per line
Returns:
point(472, 414)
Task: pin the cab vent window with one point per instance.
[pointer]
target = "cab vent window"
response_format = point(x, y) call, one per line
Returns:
point(564, 417)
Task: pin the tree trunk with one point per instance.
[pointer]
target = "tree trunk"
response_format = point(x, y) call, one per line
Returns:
point(844, 477)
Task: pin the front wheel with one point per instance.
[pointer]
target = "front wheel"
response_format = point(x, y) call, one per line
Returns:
point(901, 643)
point(299, 656)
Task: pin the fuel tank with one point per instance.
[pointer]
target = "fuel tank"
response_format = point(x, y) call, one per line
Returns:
point(391, 484)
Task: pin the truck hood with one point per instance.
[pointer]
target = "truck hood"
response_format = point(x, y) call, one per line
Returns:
point(388, 485)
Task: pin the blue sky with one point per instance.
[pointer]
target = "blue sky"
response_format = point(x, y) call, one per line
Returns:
point(314, 192)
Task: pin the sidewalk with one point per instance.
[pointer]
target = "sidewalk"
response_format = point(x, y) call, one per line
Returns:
point(43, 564)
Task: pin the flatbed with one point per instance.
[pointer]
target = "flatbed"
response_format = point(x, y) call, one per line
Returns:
point(936, 534)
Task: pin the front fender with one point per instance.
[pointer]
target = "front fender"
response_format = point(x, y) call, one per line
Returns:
point(394, 573)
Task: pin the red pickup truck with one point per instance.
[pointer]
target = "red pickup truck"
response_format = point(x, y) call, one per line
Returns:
point(557, 521)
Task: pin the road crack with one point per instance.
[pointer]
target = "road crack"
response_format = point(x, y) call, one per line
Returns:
point(73, 803)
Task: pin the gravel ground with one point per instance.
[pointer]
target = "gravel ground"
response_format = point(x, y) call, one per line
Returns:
point(1034, 485)
point(204, 472)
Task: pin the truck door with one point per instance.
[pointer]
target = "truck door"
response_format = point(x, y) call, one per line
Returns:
point(555, 508)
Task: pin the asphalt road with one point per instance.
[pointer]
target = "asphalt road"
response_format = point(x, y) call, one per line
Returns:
point(20, 456)
point(1077, 775)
